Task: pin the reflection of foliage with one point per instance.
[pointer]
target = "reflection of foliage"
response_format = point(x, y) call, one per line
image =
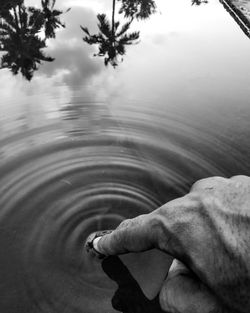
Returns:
point(199, 2)
point(140, 9)
point(6, 5)
point(51, 18)
point(111, 39)
point(23, 46)
point(20, 35)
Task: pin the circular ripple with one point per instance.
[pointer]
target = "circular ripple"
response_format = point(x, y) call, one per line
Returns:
point(52, 199)
point(54, 195)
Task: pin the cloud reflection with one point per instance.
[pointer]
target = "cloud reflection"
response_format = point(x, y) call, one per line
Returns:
point(73, 62)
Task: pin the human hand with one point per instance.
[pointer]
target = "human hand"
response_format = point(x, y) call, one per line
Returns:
point(181, 291)
point(208, 231)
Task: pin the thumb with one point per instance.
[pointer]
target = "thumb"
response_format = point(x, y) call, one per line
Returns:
point(182, 292)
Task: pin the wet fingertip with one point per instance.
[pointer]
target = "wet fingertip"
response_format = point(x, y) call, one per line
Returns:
point(91, 244)
point(88, 245)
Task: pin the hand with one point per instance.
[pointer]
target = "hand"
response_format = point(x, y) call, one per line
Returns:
point(208, 232)
point(181, 291)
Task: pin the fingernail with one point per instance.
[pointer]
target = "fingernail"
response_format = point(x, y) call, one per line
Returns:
point(91, 244)
point(95, 244)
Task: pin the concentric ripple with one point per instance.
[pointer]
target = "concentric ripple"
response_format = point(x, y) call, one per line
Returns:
point(52, 198)
point(56, 192)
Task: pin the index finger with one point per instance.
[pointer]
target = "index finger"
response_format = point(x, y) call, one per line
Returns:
point(159, 229)
point(133, 235)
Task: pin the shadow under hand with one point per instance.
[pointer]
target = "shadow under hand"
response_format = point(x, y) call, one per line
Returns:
point(129, 297)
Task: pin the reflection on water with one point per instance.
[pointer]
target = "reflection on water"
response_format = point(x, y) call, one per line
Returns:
point(20, 35)
point(82, 146)
point(199, 2)
point(111, 39)
point(139, 9)
point(112, 36)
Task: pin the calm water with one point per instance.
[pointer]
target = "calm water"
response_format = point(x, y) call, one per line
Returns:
point(83, 146)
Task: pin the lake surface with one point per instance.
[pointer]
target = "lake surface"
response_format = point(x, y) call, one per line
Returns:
point(84, 146)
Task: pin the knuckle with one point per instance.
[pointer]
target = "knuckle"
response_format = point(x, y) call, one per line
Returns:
point(210, 183)
point(240, 178)
point(155, 224)
point(124, 224)
point(133, 222)
point(165, 299)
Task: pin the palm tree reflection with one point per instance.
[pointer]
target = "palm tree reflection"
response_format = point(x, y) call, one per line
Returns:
point(51, 18)
point(8, 4)
point(111, 39)
point(19, 38)
point(140, 9)
point(199, 2)
point(20, 35)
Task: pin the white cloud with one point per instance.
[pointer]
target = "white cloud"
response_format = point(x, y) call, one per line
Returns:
point(73, 57)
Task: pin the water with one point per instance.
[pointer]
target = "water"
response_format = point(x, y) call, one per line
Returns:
point(84, 146)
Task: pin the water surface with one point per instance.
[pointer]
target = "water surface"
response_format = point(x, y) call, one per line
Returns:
point(84, 146)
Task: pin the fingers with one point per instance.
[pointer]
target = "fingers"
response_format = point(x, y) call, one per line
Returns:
point(217, 182)
point(182, 292)
point(135, 235)
point(161, 229)
point(208, 183)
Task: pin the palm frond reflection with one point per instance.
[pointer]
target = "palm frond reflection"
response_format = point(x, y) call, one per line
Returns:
point(139, 9)
point(111, 39)
point(199, 2)
point(21, 39)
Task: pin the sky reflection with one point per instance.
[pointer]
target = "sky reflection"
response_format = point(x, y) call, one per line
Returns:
point(188, 57)
point(84, 146)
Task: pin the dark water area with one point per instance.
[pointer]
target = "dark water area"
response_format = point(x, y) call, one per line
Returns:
point(84, 146)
